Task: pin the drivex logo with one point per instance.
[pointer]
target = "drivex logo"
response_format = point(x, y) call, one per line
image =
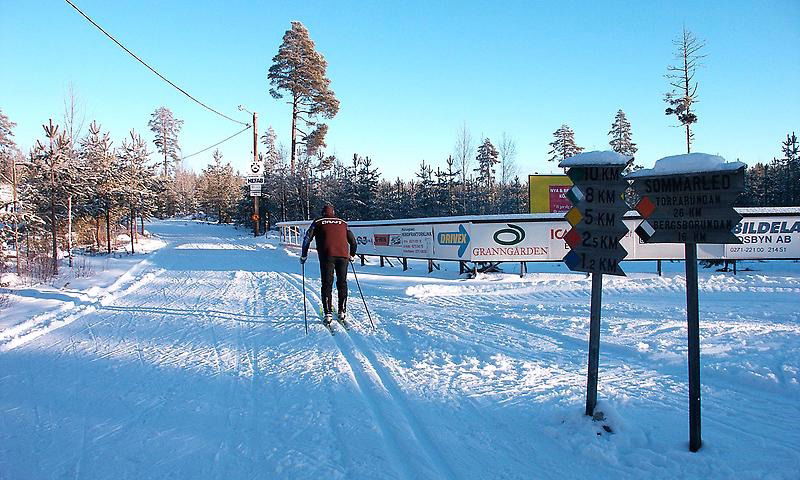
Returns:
point(459, 238)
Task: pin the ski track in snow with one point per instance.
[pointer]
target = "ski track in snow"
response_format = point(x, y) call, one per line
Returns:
point(195, 364)
point(420, 458)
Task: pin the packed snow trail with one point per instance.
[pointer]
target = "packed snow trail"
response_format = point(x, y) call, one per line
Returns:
point(197, 366)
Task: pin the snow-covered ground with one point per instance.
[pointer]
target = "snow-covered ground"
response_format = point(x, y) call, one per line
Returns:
point(194, 364)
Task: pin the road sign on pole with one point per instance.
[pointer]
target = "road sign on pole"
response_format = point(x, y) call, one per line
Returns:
point(689, 199)
point(598, 205)
point(596, 215)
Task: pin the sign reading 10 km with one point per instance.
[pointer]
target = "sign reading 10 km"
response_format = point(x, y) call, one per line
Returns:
point(598, 205)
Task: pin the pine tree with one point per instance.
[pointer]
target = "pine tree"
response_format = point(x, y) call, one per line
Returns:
point(681, 78)
point(450, 176)
point(47, 184)
point(487, 158)
point(300, 71)
point(135, 189)
point(564, 145)
point(791, 155)
point(621, 139)
point(6, 135)
point(367, 188)
point(165, 128)
point(220, 188)
point(424, 198)
point(271, 153)
point(99, 160)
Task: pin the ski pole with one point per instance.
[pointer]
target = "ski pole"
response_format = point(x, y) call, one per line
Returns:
point(305, 313)
point(362, 295)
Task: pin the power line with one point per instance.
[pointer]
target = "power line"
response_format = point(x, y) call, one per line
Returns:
point(218, 143)
point(151, 68)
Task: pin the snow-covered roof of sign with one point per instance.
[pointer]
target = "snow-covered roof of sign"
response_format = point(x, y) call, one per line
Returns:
point(687, 163)
point(595, 158)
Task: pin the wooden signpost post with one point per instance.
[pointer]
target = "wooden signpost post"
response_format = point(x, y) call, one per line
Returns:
point(598, 206)
point(689, 199)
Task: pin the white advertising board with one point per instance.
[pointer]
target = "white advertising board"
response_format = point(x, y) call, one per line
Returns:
point(410, 241)
point(767, 237)
point(764, 236)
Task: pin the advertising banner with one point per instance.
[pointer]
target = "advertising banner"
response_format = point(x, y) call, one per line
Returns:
point(515, 240)
point(452, 241)
point(546, 193)
point(766, 237)
point(521, 241)
point(410, 241)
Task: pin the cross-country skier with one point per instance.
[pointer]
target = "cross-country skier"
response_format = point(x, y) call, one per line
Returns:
point(336, 245)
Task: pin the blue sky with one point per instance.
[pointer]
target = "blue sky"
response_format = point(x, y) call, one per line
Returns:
point(409, 74)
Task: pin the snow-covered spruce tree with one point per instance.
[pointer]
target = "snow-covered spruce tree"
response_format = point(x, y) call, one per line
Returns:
point(681, 98)
point(622, 140)
point(299, 71)
point(563, 146)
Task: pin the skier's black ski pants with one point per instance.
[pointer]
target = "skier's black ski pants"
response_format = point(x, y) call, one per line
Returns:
point(327, 266)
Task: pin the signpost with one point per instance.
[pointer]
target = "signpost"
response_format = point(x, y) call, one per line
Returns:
point(598, 206)
point(256, 175)
point(689, 199)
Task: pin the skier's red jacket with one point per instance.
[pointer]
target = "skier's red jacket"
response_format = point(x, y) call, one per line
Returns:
point(333, 237)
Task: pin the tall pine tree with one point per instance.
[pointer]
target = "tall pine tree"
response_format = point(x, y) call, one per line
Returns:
point(300, 71)
point(563, 146)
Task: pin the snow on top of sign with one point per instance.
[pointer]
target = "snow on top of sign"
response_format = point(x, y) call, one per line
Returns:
point(688, 163)
point(595, 158)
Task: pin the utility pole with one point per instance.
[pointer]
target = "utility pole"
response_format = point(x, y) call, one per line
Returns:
point(255, 162)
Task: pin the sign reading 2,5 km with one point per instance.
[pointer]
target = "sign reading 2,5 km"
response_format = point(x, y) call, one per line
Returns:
point(598, 205)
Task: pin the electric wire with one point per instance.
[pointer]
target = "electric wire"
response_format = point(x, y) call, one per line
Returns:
point(153, 69)
point(218, 143)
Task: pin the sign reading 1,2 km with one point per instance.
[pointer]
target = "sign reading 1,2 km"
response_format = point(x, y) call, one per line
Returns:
point(598, 206)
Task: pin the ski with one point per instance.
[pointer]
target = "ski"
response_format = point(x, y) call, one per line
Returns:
point(344, 323)
point(329, 326)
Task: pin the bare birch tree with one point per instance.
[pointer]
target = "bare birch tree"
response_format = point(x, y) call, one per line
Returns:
point(508, 155)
